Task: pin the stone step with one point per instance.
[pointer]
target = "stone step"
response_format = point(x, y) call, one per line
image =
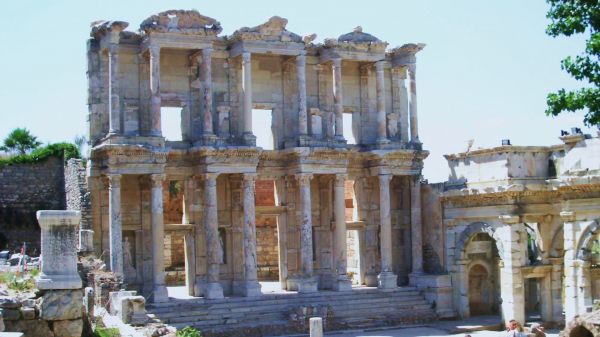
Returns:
point(340, 310)
point(199, 309)
point(288, 296)
point(274, 314)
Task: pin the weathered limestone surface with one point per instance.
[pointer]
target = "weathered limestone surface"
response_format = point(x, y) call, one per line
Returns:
point(61, 305)
point(59, 250)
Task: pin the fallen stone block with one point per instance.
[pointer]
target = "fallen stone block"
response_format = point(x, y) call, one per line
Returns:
point(68, 328)
point(60, 305)
point(133, 310)
point(30, 328)
point(28, 313)
point(7, 302)
point(11, 314)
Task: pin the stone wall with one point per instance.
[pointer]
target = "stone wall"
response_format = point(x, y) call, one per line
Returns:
point(267, 249)
point(76, 191)
point(433, 229)
point(24, 189)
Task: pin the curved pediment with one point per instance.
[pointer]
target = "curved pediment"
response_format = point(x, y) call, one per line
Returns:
point(181, 21)
point(272, 30)
point(357, 40)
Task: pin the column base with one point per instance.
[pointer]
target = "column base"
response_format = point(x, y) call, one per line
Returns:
point(340, 139)
point(213, 291)
point(251, 289)
point(342, 284)
point(159, 294)
point(208, 139)
point(249, 139)
point(308, 285)
point(371, 280)
point(413, 278)
point(381, 141)
point(387, 280)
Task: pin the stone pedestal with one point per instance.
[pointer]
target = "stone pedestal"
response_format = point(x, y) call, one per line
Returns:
point(308, 285)
point(59, 250)
point(387, 280)
point(86, 240)
point(316, 326)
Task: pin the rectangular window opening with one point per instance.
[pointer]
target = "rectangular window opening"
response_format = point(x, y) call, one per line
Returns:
point(348, 133)
point(170, 121)
point(262, 120)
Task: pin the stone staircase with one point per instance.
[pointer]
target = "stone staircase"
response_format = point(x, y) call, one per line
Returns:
point(288, 313)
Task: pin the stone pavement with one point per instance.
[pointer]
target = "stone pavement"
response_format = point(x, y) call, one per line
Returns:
point(420, 332)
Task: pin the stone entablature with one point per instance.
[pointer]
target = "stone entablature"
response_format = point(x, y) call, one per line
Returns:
point(219, 76)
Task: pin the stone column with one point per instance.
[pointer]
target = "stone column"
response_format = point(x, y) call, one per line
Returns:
point(414, 130)
point(340, 257)
point(386, 278)
point(511, 278)
point(251, 286)
point(338, 99)
point(381, 115)
point(115, 230)
point(159, 291)
point(308, 283)
point(570, 229)
point(416, 230)
point(247, 88)
point(214, 255)
point(207, 92)
point(302, 111)
point(59, 250)
point(113, 89)
point(155, 100)
point(403, 98)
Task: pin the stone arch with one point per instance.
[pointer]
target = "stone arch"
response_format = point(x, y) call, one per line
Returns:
point(583, 252)
point(581, 327)
point(472, 229)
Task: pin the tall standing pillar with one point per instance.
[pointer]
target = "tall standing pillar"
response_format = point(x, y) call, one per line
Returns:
point(214, 253)
point(338, 101)
point(113, 89)
point(207, 92)
point(251, 286)
point(381, 115)
point(114, 226)
point(155, 100)
point(249, 138)
point(403, 100)
point(414, 130)
point(308, 283)
point(386, 278)
point(302, 112)
point(416, 230)
point(512, 285)
point(340, 257)
point(159, 290)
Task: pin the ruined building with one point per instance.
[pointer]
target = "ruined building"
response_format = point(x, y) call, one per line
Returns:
point(319, 208)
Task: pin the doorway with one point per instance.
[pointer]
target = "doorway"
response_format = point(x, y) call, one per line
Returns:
point(480, 291)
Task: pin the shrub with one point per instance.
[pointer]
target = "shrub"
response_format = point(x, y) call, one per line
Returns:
point(64, 150)
point(188, 332)
point(107, 332)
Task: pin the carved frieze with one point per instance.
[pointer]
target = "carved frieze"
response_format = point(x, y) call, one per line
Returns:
point(181, 21)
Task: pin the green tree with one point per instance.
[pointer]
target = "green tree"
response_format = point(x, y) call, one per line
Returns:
point(20, 141)
point(571, 17)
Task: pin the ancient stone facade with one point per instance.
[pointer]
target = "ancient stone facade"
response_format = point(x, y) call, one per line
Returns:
point(521, 229)
point(178, 59)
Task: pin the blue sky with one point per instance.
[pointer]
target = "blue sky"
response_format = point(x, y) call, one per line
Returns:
point(484, 74)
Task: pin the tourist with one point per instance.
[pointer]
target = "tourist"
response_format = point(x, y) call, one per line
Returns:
point(538, 330)
point(514, 329)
